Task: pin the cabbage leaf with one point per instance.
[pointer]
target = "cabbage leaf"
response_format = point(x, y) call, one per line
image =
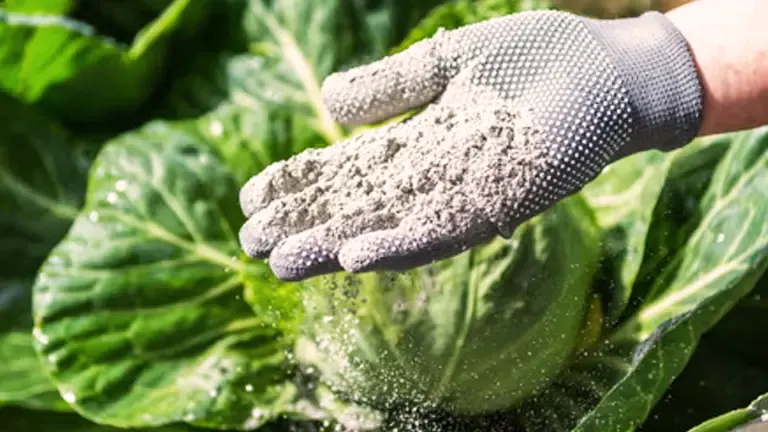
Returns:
point(42, 183)
point(473, 334)
point(615, 385)
point(140, 308)
point(19, 420)
point(52, 60)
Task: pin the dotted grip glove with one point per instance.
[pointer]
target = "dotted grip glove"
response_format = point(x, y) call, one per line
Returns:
point(520, 112)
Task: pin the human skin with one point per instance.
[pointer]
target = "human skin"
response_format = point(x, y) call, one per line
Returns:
point(730, 46)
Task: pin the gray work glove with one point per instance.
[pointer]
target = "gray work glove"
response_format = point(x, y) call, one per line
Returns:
point(522, 111)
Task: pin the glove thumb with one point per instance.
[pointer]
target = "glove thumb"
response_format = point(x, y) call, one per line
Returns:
point(387, 87)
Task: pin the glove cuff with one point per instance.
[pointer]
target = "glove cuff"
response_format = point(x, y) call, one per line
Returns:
point(660, 74)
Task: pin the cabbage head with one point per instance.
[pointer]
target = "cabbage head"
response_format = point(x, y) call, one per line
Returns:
point(479, 332)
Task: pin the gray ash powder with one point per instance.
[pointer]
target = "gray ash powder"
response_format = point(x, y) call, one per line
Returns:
point(454, 171)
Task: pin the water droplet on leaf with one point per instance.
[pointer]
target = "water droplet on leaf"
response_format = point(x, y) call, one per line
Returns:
point(121, 185)
point(69, 397)
point(53, 358)
point(40, 336)
point(216, 128)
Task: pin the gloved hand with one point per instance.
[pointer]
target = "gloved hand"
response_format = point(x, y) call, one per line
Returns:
point(522, 111)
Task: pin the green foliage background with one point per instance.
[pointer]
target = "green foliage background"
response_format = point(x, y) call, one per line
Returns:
point(126, 130)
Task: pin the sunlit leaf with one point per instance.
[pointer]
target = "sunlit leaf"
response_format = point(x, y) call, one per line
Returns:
point(42, 183)
point(139, 311)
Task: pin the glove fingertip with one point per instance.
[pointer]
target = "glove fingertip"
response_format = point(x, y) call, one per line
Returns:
point(387, 250)
point(256, 240)
point(303, 256)
point(365, 252)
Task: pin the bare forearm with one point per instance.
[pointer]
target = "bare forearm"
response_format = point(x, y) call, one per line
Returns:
point(730, 44)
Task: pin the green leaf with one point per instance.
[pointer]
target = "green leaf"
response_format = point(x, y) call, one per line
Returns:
point(51, 61)
point(756, 411)
point(291, 50)
point(730, 240)
point(444, 336)
point(458, 13)
point(19, 420)
point(140, 310)
point(714, 382)
point(264, 105)
point(623, 198)
point(401, 16)
point(231, 94)
point(727, 371)
point(676, 214)
point(121, 20)
point(22, 379)
point(42, 183)
point(615, 386)
point(47, 7)
point(294, 46)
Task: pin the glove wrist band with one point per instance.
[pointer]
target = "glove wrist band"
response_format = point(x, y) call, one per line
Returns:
point(661, 77)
